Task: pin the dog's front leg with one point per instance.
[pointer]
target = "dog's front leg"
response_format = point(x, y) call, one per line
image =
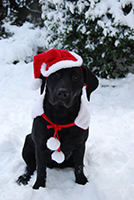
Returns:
point(41, 168)
point(78, 155)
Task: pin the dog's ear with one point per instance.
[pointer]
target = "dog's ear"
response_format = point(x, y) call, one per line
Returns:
point(43, 83)
point(90, 80)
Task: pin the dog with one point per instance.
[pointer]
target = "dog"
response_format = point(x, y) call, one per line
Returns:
point(61, 103)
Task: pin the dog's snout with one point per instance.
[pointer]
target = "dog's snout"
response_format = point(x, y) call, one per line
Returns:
point(62, 93)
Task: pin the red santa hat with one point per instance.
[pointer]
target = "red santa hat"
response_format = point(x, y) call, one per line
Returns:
point(51, 61)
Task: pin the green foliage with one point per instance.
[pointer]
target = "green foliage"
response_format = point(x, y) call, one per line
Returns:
point(99, 35)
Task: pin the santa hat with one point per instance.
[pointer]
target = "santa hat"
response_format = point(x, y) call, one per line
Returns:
point(51, 61)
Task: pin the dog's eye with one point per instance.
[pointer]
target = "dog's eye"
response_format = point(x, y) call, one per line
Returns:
point(76, 77)
point(57, 74)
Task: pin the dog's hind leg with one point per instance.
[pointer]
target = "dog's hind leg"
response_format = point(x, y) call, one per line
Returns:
point(28, 155)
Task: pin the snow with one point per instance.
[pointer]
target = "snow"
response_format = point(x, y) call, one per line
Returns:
point(23, 44)
point(110, 146)
point(70, 6)
point(115, 8)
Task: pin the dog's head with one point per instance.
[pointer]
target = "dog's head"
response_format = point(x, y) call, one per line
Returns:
point(65, 85)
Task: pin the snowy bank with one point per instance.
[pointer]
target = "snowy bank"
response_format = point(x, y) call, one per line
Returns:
point(23, 44)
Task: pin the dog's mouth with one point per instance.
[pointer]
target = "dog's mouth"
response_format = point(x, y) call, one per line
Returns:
point(60, 102)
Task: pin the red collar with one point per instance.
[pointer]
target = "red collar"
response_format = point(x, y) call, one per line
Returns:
point(56, 127)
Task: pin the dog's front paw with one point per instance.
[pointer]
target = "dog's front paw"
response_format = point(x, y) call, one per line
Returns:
point(23, 179)
point(81, 179)
point(39, 183)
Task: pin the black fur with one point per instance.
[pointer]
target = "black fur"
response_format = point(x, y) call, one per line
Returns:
point(61, 105)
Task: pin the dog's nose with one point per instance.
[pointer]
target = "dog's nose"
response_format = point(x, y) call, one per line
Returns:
point(62, 93)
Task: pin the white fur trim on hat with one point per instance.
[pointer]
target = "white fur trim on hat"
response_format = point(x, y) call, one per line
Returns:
point(57, 156)
point(83, 118)
point(62, 65)
point(37, 109)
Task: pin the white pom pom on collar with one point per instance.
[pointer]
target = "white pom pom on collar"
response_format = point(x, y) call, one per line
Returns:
point(53, 143)
point(58, 156)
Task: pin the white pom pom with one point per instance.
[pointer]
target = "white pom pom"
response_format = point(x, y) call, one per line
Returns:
point(53, 143)
point(36, 84)
point(59, 157)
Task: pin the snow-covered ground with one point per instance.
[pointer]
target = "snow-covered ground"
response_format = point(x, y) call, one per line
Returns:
point(109, 161)
point(109, 154)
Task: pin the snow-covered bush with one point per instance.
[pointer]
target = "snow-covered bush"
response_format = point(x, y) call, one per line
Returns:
point(101, 31)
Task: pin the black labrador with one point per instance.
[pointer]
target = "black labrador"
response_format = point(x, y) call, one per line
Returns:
point(61, 104)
